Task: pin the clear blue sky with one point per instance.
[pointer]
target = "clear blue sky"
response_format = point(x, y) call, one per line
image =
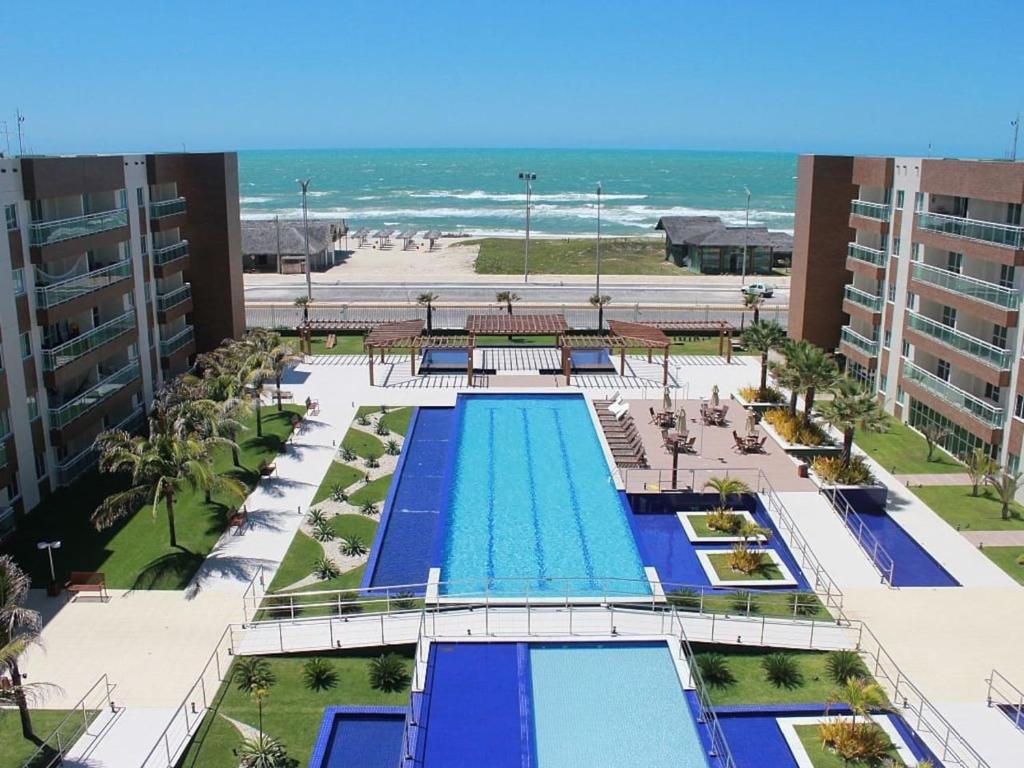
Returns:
point(824, 76)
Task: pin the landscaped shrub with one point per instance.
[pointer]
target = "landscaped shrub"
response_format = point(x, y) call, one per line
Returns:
point(831, 469)
point(372, 462)
point(684, 598)
point(863, 742)
point(338, 493)
point(325, 568)
point(323, 532)
point(368, 508)
point(388, 674)
point(392, 448)
point(782, 671)
point(348, 602)
point(714, 670)
point(403, 601)
point(381, 428)
point(263, 751)
point(792, 429)
point(724, 520)
point(315, 517)
point(742, 601)
point(353, 547)
point(803, 603)
point(753, 395)
point(318, 674)
point(843, 666)
point(347, 454)
point(363, 420)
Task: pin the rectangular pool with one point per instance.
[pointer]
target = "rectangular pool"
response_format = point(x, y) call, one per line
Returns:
point(532, 507)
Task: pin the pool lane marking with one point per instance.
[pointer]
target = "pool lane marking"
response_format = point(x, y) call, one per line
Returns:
point(538, 548)
point(490, 496)
point(573, 496)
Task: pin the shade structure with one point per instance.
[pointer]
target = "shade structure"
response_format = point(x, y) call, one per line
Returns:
point(516, 325)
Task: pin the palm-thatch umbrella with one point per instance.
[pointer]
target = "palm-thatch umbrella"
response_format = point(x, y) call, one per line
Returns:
point(751, 423)
point(681, 421)
point(666, 400)
point(714, 396)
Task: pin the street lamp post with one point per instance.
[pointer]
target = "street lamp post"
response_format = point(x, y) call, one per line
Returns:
point(49, 546)
point(746, 238)
point(529, 178)
point(600, 305)
point(305, 230)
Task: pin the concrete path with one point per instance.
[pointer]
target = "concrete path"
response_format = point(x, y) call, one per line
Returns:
point(989, 731)
point(938, 478)
point(994, 538)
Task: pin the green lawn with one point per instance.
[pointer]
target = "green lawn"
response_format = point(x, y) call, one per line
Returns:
point(575, 256)
point(346, 526)
point(821, 757)
point(768, 571)
point(298, 561)
point(1007, 558)
point(375, 491)
point(134, 554)
point(802, 605)
point(956, 505)
point(752, 687)
point(363, 443)
point(16, 750)
point(345, 344)
point(397, 420)
point(516, 341)
point(292, 712)
point(903, 451)
point(337, 474)
point(700, 527)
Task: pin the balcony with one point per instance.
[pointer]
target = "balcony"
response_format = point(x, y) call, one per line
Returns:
point(989, 354)
point(869, 210)
point(3, 450)
point(72, 350)
point(7, 522)
point(991, 415)
point(48, 296)
point(165, 208)
point(867, 300)
point(74, 467)
point(872, 256)
point(855, 340)
point(171, 299)
point(1005, 235)
point(49, 232)
point(990, 293)
point(103, 390)
point(184, 337)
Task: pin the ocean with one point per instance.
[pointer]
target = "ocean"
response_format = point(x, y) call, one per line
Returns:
point(476, 191)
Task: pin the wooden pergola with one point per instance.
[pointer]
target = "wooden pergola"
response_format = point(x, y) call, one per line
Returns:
point(309, 327)
point(620, 337)
point(407, 336)
point(516, 325)
point(724, 330)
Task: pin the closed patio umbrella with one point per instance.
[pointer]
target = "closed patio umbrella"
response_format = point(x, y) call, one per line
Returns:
point(681, 421)
point(714, 396)
point(751, 423)
point(666, 400)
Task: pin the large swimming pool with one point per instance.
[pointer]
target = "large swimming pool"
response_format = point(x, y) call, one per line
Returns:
point(532, 507)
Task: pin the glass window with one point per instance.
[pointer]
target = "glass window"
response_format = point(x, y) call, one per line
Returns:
point(999, 335)
point(1012, 463)
point(122, 198)
point(915, 251)
point(896, 246)
point(992, 392)
point(1018, 407)
point(5, 423)
point(919, 201)
point(18, 278)
point(949, 317)
point(33, 407)
point(899, 394)
point(11, 215)
point(1013, 214)
point(41, 464)
point(942, 370)
point(906, 349)
point(955, 262)
point(1006, 275)
point(142, 245)
point(887, 339)
point(26, 344)
point(892, 291)
point(140, 197)
point(911, 300)
point(899, 198)
point(883, 383)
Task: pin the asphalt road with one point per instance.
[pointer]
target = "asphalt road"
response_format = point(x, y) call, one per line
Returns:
point(539, 291)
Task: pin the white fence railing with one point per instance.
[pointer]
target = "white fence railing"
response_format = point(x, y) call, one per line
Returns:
point(73, 727)
point(864, 536)
point(1008, 697)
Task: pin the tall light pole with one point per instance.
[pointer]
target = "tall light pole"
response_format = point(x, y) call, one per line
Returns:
point(600, 306)
point(746, 238)
point(49, 546)
point(529, 178)
point(305, 230)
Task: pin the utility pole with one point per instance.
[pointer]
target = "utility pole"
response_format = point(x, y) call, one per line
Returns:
point(529, 178)
point(21, 134)
point(746, 239)
point(305, 229)
point(600, 306)
point(1016, 130)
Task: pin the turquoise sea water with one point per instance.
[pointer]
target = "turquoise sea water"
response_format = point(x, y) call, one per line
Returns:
point(477, 191)
point(532, 508)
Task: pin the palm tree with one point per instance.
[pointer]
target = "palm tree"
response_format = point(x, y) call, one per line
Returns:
point(980, 467)
point(933, 436)
point(304, 302)
point(508, 298)
point(427, 300)
point(218, 422)
point(817, 371)
point(860, 695)
point(600, 301)
point(19, 628)
point(786, 376)
point(726, 487)
point(267, 358)
point(754, 301)
point(1007, 484)
point(853, 408)
point(255, 676)
point(160, 466)
point(763, 338)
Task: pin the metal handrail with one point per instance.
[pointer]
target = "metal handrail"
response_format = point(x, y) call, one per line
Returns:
point(990, 414)
point(170, 252)
point(977, 348)
point(54, 747)
point(863, 343)
point(865, 253)
point(177, 341)
point(1006, 696)
point(160, 208)
point(53, 294)
point(976, 288)
point(62, 354)
point(863, 535)
point(870, 209)
point(58, 230)
point(67, 412)
point(165, 301)
point(1008, 235)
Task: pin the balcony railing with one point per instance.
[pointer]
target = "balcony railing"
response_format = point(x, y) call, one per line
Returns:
point(869, 210)
point(863, 253)
point(103, 390)
point(170, 252)
point(70, 351)
point(967, 286)
point(3, 450)
point(47, 232)
point(166, 208)
point(165, 301)
point(972, 229)
point(958, 398)
point(57, 293)
point(7, 522)
point(989, 354)
point(854, 339)
point(74, 467)
point(863, 298)
point(169, 346)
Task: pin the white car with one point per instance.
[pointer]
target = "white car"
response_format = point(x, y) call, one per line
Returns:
point(758, 289)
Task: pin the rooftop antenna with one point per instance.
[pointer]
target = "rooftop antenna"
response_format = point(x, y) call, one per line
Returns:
point(7, 135)
point(21, 133)
point(1016, 131)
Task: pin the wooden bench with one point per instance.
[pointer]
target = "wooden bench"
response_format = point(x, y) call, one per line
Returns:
point(238, 520)
point(86, 581)
point(331, 341)
point(267, 470)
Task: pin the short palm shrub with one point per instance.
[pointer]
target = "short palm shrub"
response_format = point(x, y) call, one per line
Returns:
point(319, 674)
point(743, 601)
point(388, 674)
point(353, 547)
point(403, 601)
point(372, 462)
point(348, 602)
point(832, 469)
point(392, 448)
point(263, 751)
point(338, 493)
point(363, 420)
point(368, 508)
point(743, 557)
point(714, 670)
point(862, 743)
point(323, 532)
point(843, 666)
point(782, 671)
point(347, 454)
point(793, 429)
point(384, 409)
point(381, 428)
point(803, 603)
point(325, 569)
point(684, 598)
point(724, 520)
point(315, 517)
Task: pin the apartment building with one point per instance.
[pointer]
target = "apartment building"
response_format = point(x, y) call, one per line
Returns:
point(926, 307)
point(114, 272)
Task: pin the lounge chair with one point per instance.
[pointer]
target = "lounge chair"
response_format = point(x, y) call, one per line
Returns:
point(740, 446)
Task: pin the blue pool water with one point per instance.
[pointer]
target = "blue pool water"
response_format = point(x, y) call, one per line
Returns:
point(532, 505)
point(367, 737)
point(444, 360)
point(403, 548)
point(611, 705)
point(590, 359)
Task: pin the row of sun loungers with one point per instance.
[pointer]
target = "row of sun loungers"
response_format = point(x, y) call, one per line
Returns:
point(621, 433)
